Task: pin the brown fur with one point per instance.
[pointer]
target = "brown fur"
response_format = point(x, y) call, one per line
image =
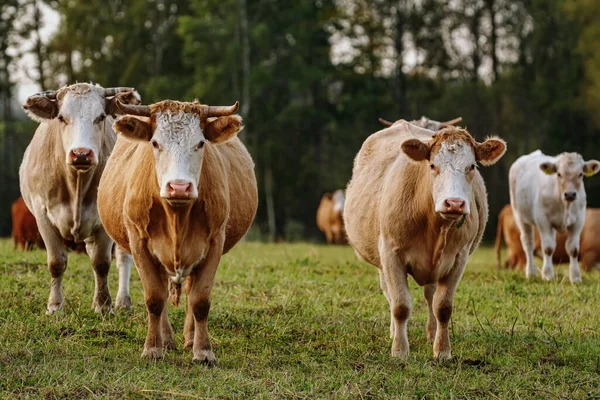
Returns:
point(589, 253)
point(144, 224)
point(391, 223)
point(331, 222)
point(25, 233)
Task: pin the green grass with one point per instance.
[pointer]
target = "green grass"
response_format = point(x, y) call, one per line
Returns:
point(302, 321)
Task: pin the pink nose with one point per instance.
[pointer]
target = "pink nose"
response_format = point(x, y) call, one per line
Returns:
point(179, 189)
point(454, 205)
point(81, 156)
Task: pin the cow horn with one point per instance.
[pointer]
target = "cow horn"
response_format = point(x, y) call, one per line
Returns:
point(451, 122)
point(108, 92)
point(141, 110)
point(51, 94)
point(385, 122)
point(221, 111)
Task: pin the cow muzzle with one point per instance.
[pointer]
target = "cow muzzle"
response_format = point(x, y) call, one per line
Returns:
point(453, 208)
point(570, 196)
point(81, 158)
point(179, 192)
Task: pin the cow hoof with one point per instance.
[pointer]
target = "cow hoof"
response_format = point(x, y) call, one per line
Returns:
point(547, 276)
point(153, 353)
point(52, 308)
point(399, 354)
point(123, 303)
point(576, 280)
point(444, 355)
point(102, 309)
point(188, 344)
point(205, 357)
point(170, 345)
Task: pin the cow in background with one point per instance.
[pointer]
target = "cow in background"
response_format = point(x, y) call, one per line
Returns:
point(425, 123)
point(330, 218)
point(59, 178)
point(417, 205)
point(589, 254)
point(548, 193)
point(25, 233)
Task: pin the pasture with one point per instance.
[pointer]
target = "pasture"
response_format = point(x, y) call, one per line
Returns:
point(302, 321)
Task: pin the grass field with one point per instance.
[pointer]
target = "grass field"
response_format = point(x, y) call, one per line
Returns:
point(302, 321)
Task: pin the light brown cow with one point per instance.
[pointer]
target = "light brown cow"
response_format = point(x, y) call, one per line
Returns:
point(425, 123)
point(179, 191)
point(330, 219)
point(417, 205)
point(25, 233)
point(59, 177)
point(589, 254)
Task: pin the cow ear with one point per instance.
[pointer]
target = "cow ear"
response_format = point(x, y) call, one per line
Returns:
point(223, 129)
point(133, 128)
point(591, 167)
point(128, 97)
point(548, 168)
point(40, 108)
point(416, 149)
point(490, 151)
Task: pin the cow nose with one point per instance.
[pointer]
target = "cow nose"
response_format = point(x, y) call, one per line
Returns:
point(179, 189)
point(570, 196)
point(81, 156)
point(454, 205)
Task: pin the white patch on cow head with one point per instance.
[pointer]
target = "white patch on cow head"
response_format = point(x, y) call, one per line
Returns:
point(569, 170)
point(452, 155)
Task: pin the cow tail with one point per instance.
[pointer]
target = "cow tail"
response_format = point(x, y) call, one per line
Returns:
point(174, 292)
point(498, 243)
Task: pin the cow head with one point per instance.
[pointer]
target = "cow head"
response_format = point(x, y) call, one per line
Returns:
point(80, 110)
point(569, 169)
point(178, 132)
point(452, 154)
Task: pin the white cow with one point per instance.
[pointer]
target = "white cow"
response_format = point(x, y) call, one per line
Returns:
point(548, 192)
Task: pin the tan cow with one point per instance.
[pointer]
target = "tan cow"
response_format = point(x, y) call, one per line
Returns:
point(59, 177)
point(589, 254)
point(417, 205)
point(425, 123)
point(178, 192)
point(25, 232)
point(330, 219)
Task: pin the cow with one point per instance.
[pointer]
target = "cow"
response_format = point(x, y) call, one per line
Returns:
point(548, 193)
point(329, 217)
point(59, 177)
point(589, 253)
point(417, 205)
point(25, 233)
point(425, 123)
point(179, 191)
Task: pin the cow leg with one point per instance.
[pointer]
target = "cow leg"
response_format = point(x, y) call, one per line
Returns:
point(200, 287)
point(384, 289)
point(429, 291)
point(548, 238)
point(443, 302)
point(329, 236)
point(99, 248)
point(572, 247)
point(394, 273)
point(167, 330)
point(527, 241)
point(124, 261)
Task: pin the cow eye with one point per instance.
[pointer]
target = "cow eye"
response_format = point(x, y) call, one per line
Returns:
point(432, 166)
point(581, 174)
point(473, 167)
point(100, 118)
point(559, 175)
point(200, 145)
point(61, 119)
point(155, 144)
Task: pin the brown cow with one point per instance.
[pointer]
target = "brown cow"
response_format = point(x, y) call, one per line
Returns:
point(425, 123)
point(589, 255)
point(179, 191)
point(25, 232)
point(330, 219)
point(417, 205)
point(59, 178)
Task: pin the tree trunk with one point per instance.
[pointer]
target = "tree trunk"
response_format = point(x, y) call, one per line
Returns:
point(270, 203)
point(493, 38)
point(400, 92)
point(39, 46)
point(476, 51)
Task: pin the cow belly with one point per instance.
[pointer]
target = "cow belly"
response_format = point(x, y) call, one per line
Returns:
point(424, 274)
point(63, 219)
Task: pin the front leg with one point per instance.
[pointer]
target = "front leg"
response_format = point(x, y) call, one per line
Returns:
point(548, 239)
point(429, 291)
point(394, 274)
point(443, 302)
point(572, 247)
point(99, 248)
point(198, 288)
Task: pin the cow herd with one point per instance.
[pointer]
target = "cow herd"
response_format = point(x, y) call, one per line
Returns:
point(170, 187)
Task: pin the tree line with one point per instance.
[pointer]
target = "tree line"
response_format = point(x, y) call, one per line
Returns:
point(312, 76)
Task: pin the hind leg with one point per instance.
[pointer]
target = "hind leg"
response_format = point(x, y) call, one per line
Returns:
point(124, 261)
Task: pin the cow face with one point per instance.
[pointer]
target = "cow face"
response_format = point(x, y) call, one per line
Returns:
point(570, 169)
point(452, 155)
point(178, 136)
point(79, 112)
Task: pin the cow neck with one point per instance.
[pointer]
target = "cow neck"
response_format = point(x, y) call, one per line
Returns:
point(178, 218)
